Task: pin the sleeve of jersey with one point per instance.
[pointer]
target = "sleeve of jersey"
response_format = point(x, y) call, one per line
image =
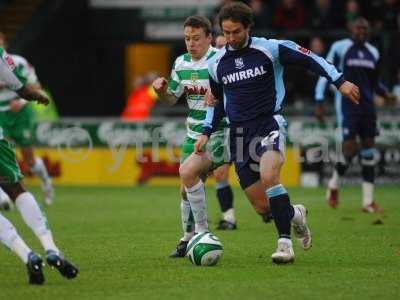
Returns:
point(174, 83)
point(322, 83)
point(9, 73)
point(29, 72)
point(214, 114)
point(292, 54)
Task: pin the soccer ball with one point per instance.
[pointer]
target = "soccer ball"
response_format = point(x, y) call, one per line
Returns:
point(204, 249)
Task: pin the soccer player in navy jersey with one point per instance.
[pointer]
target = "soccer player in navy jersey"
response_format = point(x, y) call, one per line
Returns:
point(359, 62)
point(246, 78)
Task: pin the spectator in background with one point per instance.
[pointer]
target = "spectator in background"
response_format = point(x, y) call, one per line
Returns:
point(352, 12)
point(304, 84)
point(317, 45)
point(322, 15)
point(389, 15)
point(262, 14)
point(141, 100)
point(289, 15)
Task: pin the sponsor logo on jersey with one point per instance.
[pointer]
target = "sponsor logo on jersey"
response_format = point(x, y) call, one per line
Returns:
point(361, 63)
point(194, 76)
point(242, 75)
point(304, 50)
point(195, 90)
point(239, 64)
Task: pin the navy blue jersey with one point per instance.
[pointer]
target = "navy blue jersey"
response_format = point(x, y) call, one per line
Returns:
point(359, 64)
point(249, 81)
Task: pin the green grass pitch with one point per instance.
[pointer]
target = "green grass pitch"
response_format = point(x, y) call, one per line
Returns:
point(121, 237)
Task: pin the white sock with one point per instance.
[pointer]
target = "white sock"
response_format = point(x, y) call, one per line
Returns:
point(334, 182)
point(10, 238)
point(367, 193)
point(285, 241)
point(186, 223)
point(298, 216)
point(35, 219)
point(229, 216)
point(197, 198)
point(39, 169)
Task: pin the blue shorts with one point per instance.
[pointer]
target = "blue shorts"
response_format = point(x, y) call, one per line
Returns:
point(362, 125)
point(250, 140)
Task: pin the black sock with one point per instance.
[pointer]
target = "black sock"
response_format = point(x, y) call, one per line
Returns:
point(190, 223)
point(281, 209)
point(368, 165)
point(341, 168)
point(225, 198)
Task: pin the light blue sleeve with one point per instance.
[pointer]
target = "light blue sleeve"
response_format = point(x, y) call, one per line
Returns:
point(292, 54)
point(320, 88)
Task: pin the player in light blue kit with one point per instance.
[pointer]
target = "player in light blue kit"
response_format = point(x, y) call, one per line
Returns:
point(247, 79)
point(359, 62)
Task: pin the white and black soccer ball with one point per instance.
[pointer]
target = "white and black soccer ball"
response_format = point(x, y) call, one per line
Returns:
point(204, 249)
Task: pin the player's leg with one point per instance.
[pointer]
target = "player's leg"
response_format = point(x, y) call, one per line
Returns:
point(22, 133)
point(272, 158)
point(349, 148)
point(35, 219)
point(11, 239)
point(5, 201)
point(225, 198)
point(29, 209)
point(37, 167)
point(190, 172)
point(284, 213)
point(255, 191)
point(187, 226)
point(368, 162)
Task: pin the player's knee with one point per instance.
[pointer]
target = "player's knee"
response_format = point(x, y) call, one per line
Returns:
point(186, 172)
point(349, 150)
point(14, 190)
point(269, 179)
point(220, 175)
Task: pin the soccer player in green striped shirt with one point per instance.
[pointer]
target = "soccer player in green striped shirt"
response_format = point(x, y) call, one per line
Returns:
point(10, 182)
point(16, 119)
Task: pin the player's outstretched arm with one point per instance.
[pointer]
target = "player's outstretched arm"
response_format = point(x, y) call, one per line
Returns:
point(350, 91)
point(32, 93)
point(160, 86)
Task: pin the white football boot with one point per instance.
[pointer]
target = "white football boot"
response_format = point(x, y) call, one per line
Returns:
point(300, 228)
point(284, 253)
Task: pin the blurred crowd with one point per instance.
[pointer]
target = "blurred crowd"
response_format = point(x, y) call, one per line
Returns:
point(321, 14)
point(316, 24)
